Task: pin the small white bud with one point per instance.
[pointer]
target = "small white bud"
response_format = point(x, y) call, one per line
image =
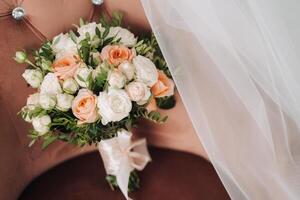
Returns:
point(70, 86)
point(33, 77)
point(20, 56)
point(64, 102)
point(41, 124)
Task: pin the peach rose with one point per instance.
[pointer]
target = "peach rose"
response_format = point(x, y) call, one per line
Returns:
point(116, 54)
point(66, 66)
point(151, 105)
point(163, 87)
point(84, 106)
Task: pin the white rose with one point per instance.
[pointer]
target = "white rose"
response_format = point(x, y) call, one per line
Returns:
point(116, 79)
point(33, 101)
point(128, 69)
point(64, 101)
point(138, 92)
point(31, 104)
point(127, 38)
point(82, 75)
point(70, 86)
point(33, 77)
point(63, 44)
point(146, 71)
point(89, 28)
point(41, 124)
point(47, 101)
point(113, 105)
point(50, 85)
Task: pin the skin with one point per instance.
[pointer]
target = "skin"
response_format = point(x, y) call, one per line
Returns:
point(177, 133)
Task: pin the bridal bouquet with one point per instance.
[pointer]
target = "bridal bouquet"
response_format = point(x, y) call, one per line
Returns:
point(93, 86)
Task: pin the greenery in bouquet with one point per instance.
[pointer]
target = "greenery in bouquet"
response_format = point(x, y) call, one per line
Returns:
point(93, 82)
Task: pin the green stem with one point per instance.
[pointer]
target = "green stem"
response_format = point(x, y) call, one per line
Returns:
point(30, 63)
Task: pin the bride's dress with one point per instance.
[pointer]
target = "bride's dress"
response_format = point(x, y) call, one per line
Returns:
point(236, 66)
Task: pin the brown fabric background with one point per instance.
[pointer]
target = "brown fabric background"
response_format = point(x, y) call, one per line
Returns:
point(172, 175)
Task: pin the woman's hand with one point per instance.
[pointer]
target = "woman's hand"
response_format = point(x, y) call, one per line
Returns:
point(176, 133)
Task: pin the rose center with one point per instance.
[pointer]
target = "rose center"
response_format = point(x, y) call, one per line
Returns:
point(84, 104)
point(116, 105)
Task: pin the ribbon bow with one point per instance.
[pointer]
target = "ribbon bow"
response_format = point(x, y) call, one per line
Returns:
point(121, 156)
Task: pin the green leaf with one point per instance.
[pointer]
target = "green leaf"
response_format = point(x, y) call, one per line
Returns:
point(98, 33)
point(133, 184)
point(134, 181)
point(48, 140)
point(104, 20)
point(73, 36)
point(81, 22)
point(108, 41)
point(105, 33)
point(37, 111)
point(56, 40)
point(154, 116)
point(88, 36)
point(128, 124)
point(43, 55)
point(80, 78)
point(89, 81)
point(112, 181)
point(116, 19)
point(34, 135)
point(166, 102)
point(84, 50)
point(100, 80)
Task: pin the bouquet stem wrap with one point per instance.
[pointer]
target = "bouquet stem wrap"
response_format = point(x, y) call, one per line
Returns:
point(121, 156)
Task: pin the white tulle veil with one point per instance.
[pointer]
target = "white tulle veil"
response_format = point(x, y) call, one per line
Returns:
point(236, 64)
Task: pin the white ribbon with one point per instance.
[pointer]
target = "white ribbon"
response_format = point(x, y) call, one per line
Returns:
point(120, 156)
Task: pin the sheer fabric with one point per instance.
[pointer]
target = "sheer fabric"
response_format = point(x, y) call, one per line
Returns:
point(236, 66)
